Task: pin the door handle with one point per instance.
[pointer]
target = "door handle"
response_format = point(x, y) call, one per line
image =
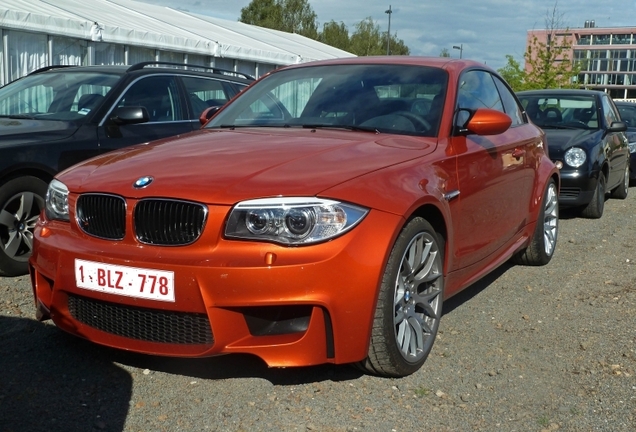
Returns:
point(518, 153)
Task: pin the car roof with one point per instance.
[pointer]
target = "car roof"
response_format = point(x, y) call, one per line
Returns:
point(149, 68)
point(561, 92)
point(437, 62)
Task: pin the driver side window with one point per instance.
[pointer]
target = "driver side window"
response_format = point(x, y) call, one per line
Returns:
point(478, 90)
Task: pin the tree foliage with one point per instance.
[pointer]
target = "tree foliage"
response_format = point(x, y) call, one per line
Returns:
point(297, 16)
point(335, 35)
point(292, 16)
point(513, 74)
point(548, 64)
point(368, 40)
point(444, 53)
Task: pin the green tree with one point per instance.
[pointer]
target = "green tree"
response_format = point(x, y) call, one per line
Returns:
point(263, 13)
point(293, 16)
point(513, 74)
point(368, 40)
point(336, 35)
point(444, 53)
point(548, 64)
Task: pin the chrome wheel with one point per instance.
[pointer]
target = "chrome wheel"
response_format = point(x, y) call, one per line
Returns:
point(17, 222)
point(550, 219)
point(409, 306)
point(417, 300)
point(21, 200)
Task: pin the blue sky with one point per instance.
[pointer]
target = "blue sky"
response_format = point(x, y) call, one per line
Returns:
point(486, 29)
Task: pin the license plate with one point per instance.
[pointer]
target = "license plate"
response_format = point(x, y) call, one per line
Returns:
point(125, 281)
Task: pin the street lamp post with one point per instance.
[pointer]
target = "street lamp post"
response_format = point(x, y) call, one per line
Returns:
point(388, 33)
point(460, 48)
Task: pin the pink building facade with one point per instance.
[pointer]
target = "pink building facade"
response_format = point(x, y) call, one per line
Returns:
point(607, 56)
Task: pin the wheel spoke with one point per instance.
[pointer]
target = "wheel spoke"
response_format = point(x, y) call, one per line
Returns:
point(427, 302)
point(13, 244)
point(7, 219)
point(27, 240)
point(26, 202)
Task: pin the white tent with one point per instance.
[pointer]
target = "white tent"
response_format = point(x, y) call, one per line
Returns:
point(38, 33)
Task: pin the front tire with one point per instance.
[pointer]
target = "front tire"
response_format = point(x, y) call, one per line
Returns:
point(543, 243)
point(409, 304)
point(21, 201)
point(594, 210)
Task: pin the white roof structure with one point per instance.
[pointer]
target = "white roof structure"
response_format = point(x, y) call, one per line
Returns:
point(140, 24)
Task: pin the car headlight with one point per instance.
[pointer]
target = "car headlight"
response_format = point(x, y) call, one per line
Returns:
point(632, 147)
point(57, 201)
point(575, 157)
point(292, 220)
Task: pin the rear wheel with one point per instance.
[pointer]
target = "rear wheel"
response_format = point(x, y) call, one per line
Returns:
point(543, 242)
point(409, 304)
point(21, 201)
point(622, 189)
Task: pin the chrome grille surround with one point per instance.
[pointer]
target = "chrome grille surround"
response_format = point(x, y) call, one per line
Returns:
point(168, 222)
point(101, 215)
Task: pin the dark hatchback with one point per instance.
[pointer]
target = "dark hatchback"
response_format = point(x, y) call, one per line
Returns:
point(586, 137)
point(627, 111)
point(58, 116)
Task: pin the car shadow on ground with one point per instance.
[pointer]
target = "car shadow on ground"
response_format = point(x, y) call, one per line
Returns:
point(51, 381)
point(41, 363)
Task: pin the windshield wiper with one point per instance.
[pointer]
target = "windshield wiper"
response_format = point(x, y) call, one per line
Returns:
point(19, 116)
point(336, 126)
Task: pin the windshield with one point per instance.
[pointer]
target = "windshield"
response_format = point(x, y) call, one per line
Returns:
point(379, 98)
point(628, 114)
point(561, 112)
point(55, 95)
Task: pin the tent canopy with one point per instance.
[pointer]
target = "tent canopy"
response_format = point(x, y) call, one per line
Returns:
point(134, 23)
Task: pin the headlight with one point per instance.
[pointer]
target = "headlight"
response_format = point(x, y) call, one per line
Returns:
point(575, 157)
point(57, 201)
point(632, 147)
point(292, 221)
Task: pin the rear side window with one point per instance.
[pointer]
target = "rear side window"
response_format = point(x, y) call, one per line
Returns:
point(159, 95)
point(204, 93)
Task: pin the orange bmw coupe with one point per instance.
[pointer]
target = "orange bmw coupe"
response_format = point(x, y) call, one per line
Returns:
point(322, 216)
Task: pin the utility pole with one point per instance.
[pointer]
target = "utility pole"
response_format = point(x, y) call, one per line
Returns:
point(388, 33)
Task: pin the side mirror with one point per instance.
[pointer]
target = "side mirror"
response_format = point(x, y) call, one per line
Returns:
point(208, 114)
point(487, 122)
point(617, 127)
point(130, 115)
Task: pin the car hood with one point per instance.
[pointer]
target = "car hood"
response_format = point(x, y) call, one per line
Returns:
point(25, 131)
point(224, 167)
point(559, 140)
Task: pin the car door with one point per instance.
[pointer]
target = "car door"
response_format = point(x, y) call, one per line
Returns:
point(614, 144)
point(495, 172)
point(203, 93)
point(168, 116)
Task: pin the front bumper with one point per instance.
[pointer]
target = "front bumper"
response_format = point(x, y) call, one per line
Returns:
point(290, 306)
point(577, 187)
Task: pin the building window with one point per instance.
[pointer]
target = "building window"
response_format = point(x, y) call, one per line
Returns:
point(621, 39)
point(601, 39)
point(584, 40)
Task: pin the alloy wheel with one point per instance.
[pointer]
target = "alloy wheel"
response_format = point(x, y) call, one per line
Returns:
point(417, 300)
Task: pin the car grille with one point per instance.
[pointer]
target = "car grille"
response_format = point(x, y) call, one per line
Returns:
point(102, 215)
point(571, 193)
point(157, 221)
point(168, 222)
point(142, 324)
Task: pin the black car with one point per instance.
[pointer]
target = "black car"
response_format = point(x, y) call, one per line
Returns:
point(586, 138)
point(58, 116)
point(627, 111)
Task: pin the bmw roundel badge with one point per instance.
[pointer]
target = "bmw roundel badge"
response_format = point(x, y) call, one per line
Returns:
point(142, 182)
